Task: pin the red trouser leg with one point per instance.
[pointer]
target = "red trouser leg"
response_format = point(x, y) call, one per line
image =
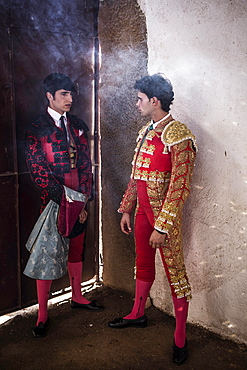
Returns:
point(167, 273)
point(145, 263)
point(75, 267)
point(141, 294)
point(43, 291)
point(181, 307)
point(145, 254)
point(76, 248)
point(75, 276)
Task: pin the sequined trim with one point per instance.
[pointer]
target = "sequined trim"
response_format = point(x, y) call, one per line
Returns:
point(149, 176)
point(147, 148)
point(176, 132)
point(72, 152)
point(129, 198)
point(156, 192)
point(172, 258)
point(142, 132)
point(183, 158)
point(143, 162)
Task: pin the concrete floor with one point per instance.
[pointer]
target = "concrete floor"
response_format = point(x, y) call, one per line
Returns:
point(82, 340)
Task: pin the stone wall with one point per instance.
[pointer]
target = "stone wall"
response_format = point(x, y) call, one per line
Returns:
point(122, 36)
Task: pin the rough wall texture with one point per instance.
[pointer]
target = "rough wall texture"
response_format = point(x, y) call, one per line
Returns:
point(122, 36)
point(202, 49)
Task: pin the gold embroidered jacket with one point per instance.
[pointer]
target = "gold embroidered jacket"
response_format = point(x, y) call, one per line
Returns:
point(164, 158)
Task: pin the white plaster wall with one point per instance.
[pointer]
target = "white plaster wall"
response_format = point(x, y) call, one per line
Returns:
point(201, 47)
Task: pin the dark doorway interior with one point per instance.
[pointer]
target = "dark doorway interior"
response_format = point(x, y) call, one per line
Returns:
point(39, 38)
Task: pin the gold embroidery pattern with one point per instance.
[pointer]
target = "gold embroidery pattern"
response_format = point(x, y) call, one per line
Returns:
point(142, 132)
point(149, 149)
point(143, 162)
point(183, 157)
point(129, 199)
point(172, 256)
point(144, 175)
point(145, 147)
point(176, 132)
point(169, 218)
point(157, 191)
point(151, 134)
point(72, 152)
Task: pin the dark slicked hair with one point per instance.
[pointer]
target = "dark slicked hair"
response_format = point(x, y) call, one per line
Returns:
point(58, 81)
point(156, 86)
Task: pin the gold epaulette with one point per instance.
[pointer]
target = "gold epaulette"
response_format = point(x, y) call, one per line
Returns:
point(176, 132)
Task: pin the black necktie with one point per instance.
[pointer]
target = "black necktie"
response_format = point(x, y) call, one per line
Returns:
point(144, 137)
point(63, 128)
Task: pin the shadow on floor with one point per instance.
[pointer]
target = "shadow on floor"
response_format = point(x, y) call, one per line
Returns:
point(82, 340)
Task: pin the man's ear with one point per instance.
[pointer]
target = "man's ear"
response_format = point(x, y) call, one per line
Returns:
point(49, 96)
point(155, 100)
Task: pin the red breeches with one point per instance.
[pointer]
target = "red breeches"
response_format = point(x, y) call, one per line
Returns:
point(145, 254)
point(144, 226)
point(171, 253)
point(76, 248)
point(76, 245)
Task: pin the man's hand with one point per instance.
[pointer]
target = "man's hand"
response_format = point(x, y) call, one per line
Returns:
point(157, 240)
point(83, 216)
point(125, 223)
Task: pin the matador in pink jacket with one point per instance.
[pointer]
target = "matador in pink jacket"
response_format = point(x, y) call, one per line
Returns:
point(159, 185)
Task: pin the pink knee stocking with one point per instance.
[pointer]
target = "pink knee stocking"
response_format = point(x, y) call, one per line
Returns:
point(141, 295)
point(75, 274)
point(181, 307)
point(43, 291)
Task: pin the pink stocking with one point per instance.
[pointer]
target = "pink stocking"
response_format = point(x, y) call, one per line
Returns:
point(43, 291)
point(75, 273)
point(181, 307)
point(141, 295)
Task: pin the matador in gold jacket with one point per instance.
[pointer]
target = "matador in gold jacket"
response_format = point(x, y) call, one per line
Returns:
point(159, 185)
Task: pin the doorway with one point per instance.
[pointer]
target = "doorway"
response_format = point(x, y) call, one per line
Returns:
point(39, 38)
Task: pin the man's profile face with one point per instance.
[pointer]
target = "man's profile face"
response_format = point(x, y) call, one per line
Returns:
point(61, 102)
point(144, 105)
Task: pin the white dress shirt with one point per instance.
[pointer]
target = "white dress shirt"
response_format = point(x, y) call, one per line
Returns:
point(56, 116)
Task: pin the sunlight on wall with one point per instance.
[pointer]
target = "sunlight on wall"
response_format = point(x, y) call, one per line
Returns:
point(201, 48)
